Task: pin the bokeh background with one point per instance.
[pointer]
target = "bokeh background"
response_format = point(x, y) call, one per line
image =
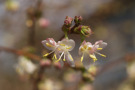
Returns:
point(112, 21)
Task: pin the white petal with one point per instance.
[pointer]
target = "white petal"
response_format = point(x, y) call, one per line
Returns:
point(100, 44)
point(89, 44)
point(68, 42)
point(84, 42)
point(49, 43)
point(69, 59)
point(80, 51)
point(87, 61)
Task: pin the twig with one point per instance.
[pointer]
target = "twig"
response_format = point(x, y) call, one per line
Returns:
point(20, 52)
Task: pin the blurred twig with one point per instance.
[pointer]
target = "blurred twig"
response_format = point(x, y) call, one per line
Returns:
point(20, 52)
point(33, 14)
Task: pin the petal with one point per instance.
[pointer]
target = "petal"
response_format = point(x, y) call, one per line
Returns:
point(85, 47)
point(49, 43)
point(69, 59)
point(81, 50)
point(68, 42)
point(89, 44)
point(87, 61)
point(84, 42)
point(100, 44)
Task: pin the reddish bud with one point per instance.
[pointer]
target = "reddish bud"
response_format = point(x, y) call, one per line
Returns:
point(78, 19)
point(68, 21)
point(57, 65)
point(45, 62)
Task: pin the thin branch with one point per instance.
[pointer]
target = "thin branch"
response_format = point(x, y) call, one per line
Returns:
point(20, 52)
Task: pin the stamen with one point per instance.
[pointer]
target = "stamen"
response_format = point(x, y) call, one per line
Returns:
point(54, 56)
point(64, 58)
point(89, 48)
point(62, 44)
point(82, 49)
point(60, 57)
point(93, 57)
point(71, 57)
point(48, 53)
point(59, 49)
point(49, 45)
point(58, 60)
point(94, 60)
point(101, 54)
point(68, 47)
point(82, 58)
point(99, 48)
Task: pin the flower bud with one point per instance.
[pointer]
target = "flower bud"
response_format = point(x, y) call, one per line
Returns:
point(68, 21)
point(43, 22)
point(83, 30)
point(86, 31)
point(78, 19)
point(57, 65)
point(45, 62)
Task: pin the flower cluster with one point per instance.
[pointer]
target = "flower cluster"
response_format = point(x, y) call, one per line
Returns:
point(86, 50)
point(62, 48)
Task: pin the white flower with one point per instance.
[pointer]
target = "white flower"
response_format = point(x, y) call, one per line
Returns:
point(50, 84)
point(88, 50)
point(60, 49)
point(25, 66)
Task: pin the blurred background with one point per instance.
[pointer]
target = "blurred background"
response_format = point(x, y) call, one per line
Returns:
point(112, 21)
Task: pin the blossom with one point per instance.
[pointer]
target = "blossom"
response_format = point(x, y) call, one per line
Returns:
point(88, 50)
point(60, 49)
point(50, 84)
point(25, 66)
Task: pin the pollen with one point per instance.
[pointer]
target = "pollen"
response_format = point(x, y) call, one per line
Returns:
point(103, 55)
point(71, 57)
point(49, 45)
point(55, 56)
point(59, 49)
point(81, 58)
point(89, 48)
point(68, 47)
point(62, 44)
point(46, 54)
point(93, 57)
point(64, 59)
point(57, 60)
point(99, 48)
